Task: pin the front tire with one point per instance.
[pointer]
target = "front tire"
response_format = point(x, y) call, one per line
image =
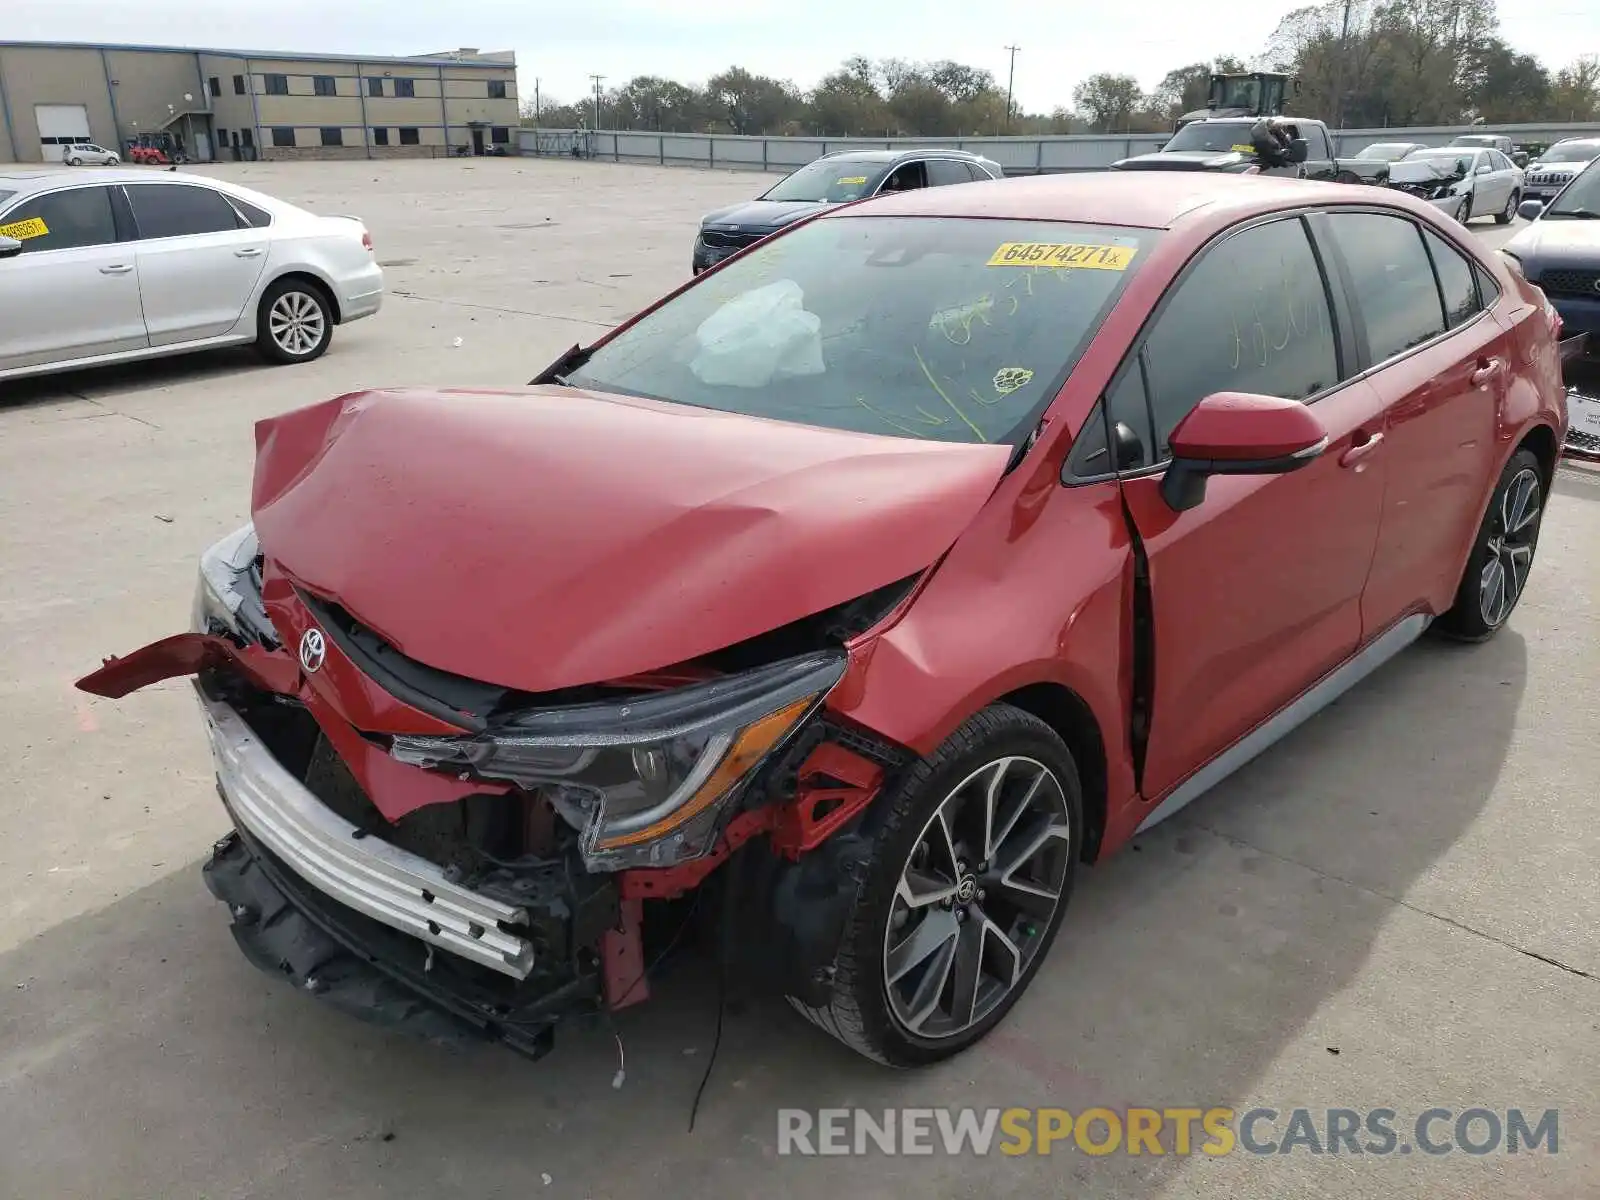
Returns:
point(970, 874)
point(1508, 214)
point(294, 323)
point(1502, 555)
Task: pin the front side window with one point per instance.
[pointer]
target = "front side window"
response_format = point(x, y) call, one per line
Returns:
point(957, 330)
point(828, 181)
point(165, 210)
point(1393, 280)
point(64, 220)
point(1252, 316)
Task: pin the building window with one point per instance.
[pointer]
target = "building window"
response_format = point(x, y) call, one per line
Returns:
point(332, 136)
point(277, 85)
point(497, 89)
point(500, 135)
point(282, 135)
point(215, 85)
point(405, 87)
point(222, 137)
point(247, 137)
point(324, 85)
point(375, 86)
point(380, 137)
point(409, 137)
point(238, 85)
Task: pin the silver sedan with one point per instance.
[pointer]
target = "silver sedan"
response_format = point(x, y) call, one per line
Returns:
point(126, 264)
point(1464, 181)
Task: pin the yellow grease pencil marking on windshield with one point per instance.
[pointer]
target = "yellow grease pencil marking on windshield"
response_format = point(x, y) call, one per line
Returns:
point(954, 407)
point(23, 230)
point(886, 419)
point(1085, 256)
point(847, 180)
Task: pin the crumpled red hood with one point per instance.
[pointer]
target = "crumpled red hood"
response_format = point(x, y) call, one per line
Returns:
point(548, 537)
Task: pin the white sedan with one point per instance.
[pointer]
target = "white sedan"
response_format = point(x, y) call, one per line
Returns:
point(125, 264)
point(1464, 181)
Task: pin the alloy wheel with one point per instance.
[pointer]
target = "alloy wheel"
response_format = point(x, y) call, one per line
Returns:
point(1511, 541)
point(296, 323)
point(977, 897)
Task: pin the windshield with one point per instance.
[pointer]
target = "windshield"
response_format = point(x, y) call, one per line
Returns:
point(1573, 153)
point(5, 195)
point(1212, 135)
point(957, 330)
point(829, 181)
point(1475, 139)
point(1388, 151)
point(1580, 198)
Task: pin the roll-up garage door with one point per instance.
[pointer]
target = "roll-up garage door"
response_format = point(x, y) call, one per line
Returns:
point(60, 125)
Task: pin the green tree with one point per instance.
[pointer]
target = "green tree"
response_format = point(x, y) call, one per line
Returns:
point(1107, 103)
point(1575, 91)
point(847, 102)
point(749, 103)
point(650, 102)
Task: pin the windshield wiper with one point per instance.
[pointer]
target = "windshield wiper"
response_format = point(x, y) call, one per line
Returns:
point(1577, 214)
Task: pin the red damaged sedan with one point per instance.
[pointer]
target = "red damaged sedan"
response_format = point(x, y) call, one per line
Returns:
point(869, 584)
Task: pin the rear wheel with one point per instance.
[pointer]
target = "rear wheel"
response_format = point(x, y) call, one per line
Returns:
point(74, 162)
point(1502, 557)
point(1508, 214)
point(968, 881)
point(295, 323)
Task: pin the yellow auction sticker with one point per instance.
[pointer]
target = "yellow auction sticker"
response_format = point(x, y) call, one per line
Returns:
point(1063, 254)
point(851, 180)
point(23, 230)
point(1242, 149)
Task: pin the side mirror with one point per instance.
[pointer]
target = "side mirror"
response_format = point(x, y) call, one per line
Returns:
point(1238, 433)
point(9, 247)
point(1299, 150)
point(1520, 159)
point(1529, 210)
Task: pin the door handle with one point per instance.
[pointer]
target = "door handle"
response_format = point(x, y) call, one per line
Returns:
point(1487, 370)
point(248, 252)
point(117, 269)
point(1360, 450)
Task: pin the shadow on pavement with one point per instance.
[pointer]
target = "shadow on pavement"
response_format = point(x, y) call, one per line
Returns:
point(141, 1055)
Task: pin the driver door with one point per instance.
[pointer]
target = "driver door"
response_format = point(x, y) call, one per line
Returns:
point(1256, 592)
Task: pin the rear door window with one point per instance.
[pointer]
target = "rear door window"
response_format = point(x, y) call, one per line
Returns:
point(1317, 144)
point(165, 210)
point(62, 220)
point(947, 170)
point(1457, 283)
point(1252, 316)
point(1392, 278)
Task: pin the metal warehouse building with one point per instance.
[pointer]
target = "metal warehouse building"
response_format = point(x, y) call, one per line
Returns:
point(246, 104)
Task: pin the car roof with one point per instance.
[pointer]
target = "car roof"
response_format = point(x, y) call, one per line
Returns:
point(886, 156)
point(1141, 199)
point(1577, 141)
point(22, 180)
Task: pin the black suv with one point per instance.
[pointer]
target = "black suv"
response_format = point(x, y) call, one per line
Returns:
point(833, 179)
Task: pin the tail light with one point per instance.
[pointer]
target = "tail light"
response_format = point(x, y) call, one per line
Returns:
point(366, 239)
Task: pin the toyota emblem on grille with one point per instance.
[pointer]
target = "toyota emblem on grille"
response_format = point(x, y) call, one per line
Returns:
point(313, 649)
point(1597, 285)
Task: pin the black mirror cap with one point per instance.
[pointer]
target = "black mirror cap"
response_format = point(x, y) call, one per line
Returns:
point(10, 247)
point(1299, 150)
point(1184, 485)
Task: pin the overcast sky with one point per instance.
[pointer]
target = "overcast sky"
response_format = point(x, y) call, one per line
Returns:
point(562, 44)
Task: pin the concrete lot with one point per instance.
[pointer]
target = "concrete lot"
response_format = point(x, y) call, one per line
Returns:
point(1395, 908)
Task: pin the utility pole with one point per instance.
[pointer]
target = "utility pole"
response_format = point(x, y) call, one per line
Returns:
point(598, 80)
point(1011, 79)
point(536, 102)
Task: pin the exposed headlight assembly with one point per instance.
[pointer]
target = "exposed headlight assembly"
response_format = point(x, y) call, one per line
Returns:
point(223, 589)
point(645, 780)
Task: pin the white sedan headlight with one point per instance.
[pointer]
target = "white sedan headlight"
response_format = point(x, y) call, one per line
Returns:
point(217, 593)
